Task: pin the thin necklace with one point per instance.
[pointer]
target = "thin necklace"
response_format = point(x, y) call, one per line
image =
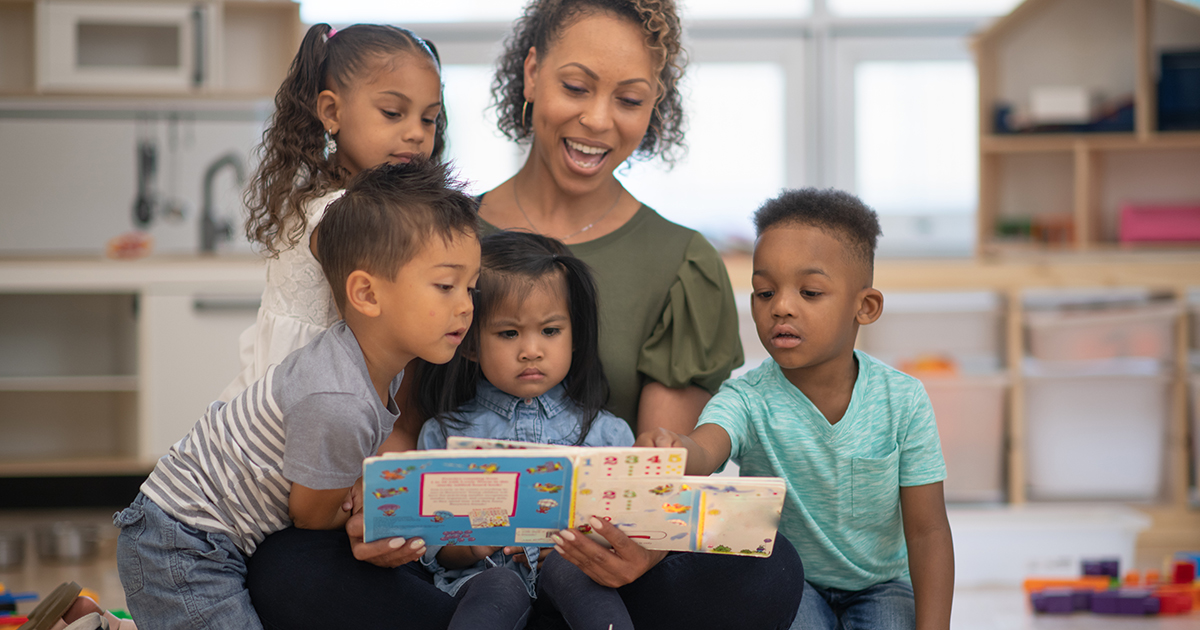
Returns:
point(575, 233)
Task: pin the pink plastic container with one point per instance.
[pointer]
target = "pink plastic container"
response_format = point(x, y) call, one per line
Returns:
point(1148, 223)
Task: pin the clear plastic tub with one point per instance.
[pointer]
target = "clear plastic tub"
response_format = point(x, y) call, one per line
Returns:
point(1097, 436)
point(964, 326)
point(970, 417)
point(1078, 335)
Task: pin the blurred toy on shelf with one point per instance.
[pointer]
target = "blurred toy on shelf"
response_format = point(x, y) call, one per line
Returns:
point(1101, 591)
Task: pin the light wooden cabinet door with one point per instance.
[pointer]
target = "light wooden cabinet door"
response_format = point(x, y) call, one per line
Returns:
point(189, 354)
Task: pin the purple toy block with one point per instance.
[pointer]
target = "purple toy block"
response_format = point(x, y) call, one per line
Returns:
point(1053, 600)
point(1081, 600)
point(1102, 566)
point(1125, 602)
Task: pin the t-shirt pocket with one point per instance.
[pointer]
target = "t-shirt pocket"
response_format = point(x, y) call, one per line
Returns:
point(875, 484)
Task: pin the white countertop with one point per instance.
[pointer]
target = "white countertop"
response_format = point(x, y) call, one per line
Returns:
point(96, 274)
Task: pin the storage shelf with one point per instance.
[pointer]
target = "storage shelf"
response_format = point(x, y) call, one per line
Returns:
point(68, 384)
point(100, 466)
point(1067, 142)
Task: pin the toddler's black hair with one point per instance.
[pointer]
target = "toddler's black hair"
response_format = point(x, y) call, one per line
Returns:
point(513, 263)
point(385, 216)
point(840, 213)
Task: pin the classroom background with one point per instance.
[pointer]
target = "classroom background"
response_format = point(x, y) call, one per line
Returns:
point(1034, 166)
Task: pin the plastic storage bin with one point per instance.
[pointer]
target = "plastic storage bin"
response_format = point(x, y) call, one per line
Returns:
point(1078, 335)
point(965, 326)
point(970, 418)
point(1096, 436)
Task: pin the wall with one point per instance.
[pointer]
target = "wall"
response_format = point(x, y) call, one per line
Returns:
point(69, 176)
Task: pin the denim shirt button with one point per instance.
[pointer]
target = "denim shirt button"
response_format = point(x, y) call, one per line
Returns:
point(528, 401)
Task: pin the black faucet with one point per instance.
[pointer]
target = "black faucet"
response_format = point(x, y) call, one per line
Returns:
point(211, 228)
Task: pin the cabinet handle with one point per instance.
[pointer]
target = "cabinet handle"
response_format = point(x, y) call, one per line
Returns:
point(226, 303)
point(198, 33)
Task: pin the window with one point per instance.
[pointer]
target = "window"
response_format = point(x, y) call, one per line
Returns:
point(722, 180)
point(876, 97)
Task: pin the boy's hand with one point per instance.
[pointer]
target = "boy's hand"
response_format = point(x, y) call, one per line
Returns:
point(660, 438)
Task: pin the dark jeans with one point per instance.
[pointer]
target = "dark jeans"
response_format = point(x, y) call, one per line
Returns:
point(495, 598)
point(301, 579)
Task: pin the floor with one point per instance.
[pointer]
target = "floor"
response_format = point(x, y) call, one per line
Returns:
point(974, 608)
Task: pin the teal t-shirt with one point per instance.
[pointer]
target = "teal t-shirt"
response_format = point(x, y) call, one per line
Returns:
point(842, 510)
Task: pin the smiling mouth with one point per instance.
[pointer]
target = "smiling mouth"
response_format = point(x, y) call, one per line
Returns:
point(583, 155)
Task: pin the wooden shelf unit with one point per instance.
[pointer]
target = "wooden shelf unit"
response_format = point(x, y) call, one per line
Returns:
point(1083, 176)
point(1176, 274)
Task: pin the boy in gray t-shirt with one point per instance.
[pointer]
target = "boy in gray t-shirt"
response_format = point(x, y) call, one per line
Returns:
point(401, 254)
point(854, 439)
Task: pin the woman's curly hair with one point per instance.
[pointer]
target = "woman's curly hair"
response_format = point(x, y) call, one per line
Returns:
point(545, 20)
point(293, 169)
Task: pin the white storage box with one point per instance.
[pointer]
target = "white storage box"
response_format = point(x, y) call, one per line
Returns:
point(1076, 335)
point(970, 419)
point(1003, 545)
point(964, 326)
point(1096, 436)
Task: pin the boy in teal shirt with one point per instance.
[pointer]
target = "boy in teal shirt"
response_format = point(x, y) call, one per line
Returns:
point(854, 439)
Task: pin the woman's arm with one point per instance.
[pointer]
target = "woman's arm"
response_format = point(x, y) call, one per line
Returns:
point(318, 509)
point(675, 410)
point(930, 553)
point(624, 563)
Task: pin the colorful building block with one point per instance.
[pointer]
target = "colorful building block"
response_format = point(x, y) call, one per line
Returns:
point(1102, 566)
point(1125, 602)
point(1173, 603)
point(1183, 572)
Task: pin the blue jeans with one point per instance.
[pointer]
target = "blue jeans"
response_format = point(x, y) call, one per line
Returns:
point(885, 606)
point(177, 576)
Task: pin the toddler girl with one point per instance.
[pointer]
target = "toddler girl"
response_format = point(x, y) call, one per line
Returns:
point(353, 99)
point(529, 370)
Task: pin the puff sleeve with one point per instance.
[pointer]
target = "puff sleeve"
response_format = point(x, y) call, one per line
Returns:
point(696, 340)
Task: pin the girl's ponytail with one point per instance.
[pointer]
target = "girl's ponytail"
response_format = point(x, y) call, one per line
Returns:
point(293, 169)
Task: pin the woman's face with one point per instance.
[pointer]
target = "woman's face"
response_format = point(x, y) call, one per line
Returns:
point(592, 94)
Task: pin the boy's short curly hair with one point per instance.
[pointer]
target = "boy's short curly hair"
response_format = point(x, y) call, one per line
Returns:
point(545, 20)
point(385, 216)
point(838, 212)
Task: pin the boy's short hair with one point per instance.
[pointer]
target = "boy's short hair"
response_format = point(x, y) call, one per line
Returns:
point(845, 216)
point(385, 216)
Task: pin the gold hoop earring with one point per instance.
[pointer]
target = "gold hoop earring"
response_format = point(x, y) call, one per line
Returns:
point(524, 109)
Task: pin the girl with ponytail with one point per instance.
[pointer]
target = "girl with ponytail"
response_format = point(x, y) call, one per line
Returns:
point(354, 98)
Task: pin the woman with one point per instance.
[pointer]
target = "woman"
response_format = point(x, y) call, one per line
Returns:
point(589, 83)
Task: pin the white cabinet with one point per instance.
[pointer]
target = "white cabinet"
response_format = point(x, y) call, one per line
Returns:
point(161, 47)
point(134, 47)
point(189, 353)
point(104, 364)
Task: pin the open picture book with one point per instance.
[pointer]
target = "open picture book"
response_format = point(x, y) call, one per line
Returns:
point(500, 493)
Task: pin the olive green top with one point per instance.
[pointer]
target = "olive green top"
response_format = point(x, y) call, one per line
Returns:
point(667, 311)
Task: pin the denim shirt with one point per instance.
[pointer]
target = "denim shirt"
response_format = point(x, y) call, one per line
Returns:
point(551, 418)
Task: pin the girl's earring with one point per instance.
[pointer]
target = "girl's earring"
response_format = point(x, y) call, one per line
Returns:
point(330, 145)
point(524, 109)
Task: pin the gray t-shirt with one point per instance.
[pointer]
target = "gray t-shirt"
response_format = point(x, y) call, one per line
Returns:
point(310, 420)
